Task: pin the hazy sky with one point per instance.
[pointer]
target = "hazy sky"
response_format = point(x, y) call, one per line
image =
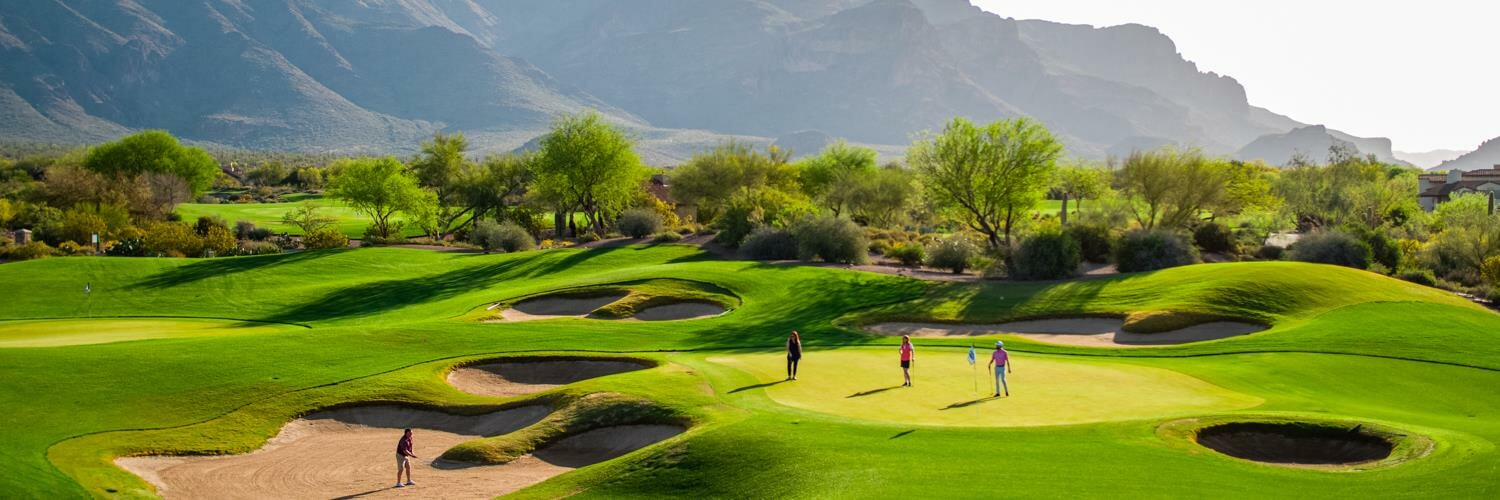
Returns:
point(1424, 73)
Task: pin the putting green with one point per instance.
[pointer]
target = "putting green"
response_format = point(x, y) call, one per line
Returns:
point(56, 333)
point(866, 384)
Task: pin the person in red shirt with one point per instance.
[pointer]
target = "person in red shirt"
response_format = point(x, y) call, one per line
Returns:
point(1000, 362)
point(403, 458)
point(908, 354)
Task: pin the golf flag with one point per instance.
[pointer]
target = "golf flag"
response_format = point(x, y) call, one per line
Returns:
point(972, 358)
point(973, 367)
point(87, 289)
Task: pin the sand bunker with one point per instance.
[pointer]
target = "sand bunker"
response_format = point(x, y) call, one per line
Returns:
point(557, 307)
point(351, 453)
point(1088, 332)
point(682, 310)
point(1295, 444)
point(516, 378)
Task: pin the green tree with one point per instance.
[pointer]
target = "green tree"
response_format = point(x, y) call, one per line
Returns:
point(308, 217)
point(171, 172)
point(588, 165)
point(837, 176)
point(380, 188)
point(1351, 189)
point(709, 180)
point(1469, 229)
point(497, 186)
point(882, 198)
point(990, 176)
point(1077, 182)
point(442, 168)
point(1172, 188)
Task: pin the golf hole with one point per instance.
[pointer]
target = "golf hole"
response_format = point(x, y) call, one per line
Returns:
point(1296, 443)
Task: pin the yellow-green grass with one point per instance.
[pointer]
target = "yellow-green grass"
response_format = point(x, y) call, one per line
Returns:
point(68, 332)
point(268, 215)
point(865, 384)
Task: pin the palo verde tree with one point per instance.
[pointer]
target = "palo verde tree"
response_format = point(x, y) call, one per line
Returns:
point(159, 167)
point(588, 165)
point(380, 188)
point(837, 176)
point(442, 168)
point(1170, 187)
point(990, 176)
point(709, 180)
point(1077, 182)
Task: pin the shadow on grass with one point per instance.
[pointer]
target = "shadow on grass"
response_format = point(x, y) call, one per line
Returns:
point(758, 386)
point(903, 434)
point(208, 268)
point(872, 392)
point(966, 404)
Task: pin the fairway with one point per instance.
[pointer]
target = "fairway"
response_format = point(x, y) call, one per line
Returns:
point(56, 333)
point(865, 384)
point(268, 215)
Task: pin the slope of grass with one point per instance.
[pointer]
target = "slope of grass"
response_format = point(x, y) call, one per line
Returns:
point(382, 324)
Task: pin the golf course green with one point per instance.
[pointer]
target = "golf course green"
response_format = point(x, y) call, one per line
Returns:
point(225, 354)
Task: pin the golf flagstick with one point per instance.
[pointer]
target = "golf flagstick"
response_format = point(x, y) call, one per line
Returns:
point(974, 367)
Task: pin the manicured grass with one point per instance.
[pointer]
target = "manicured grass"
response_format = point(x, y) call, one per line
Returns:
point(54, 333)
point(865, 384)
point(268, 215)
point(382, 324)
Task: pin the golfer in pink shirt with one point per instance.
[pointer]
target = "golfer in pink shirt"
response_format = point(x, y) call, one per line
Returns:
point(1000, 362)
point(908, 354)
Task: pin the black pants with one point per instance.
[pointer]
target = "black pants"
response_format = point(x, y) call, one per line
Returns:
point(791, 365)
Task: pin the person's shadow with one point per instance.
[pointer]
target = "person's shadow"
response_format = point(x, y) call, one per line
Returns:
point(358, 495)
point(964, 404)
point(758, 386)
point(872, 392)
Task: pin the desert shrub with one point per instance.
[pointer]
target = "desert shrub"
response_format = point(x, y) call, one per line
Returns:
point(172, 239)
point(324, 238)
point(30, 251)
point(1490, 270)
point(1422, 277)
point(1332, 247)
point(1095, 243)
point(831, 239)
point(1494, 296)
point(1383, 250)
point(667, 237)
point(996, 270)
point(206, 222)
point(1152, 249)
point(79, 226)
point(1269, 252)
point(209, 199)
point(955, 253)
point(219, 240)
point(70, 248)
point(372, 235)
point(769, 243)
point(908, 254)
point(244, 229)
point(734, 225)
point(880, 246)
point(589, 237)
point(1047, 255)
point(506, 237)
point(256, 248)
point(1214, 237)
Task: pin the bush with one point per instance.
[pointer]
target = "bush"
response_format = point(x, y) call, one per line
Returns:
point(1269, 252)
point(880, 246)
point(172, 238)
point(1152, 249)
point(80, 226)
point(256, 248)
point(1332, 247)
point(219, 240)
point(1215, 237)
point(1422, 277)
point(1494, 296)
point(1490, 270)
point(955, 253)
point(207, 222)
point(588, 237)
point(324, 238)
point(667, 237)
point(244, 229)
point(29, 251)
point(908, 254)
point(1384, 250)
point(209, 199)
point(1094, 242)
point(831, 239)
point(769, 243)
point(372, 236)
point(996, 270)
point(511, 237)
point(1047, 255)
point(70, 248)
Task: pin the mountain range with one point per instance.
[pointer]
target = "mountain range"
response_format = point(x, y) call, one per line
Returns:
point(380, 75)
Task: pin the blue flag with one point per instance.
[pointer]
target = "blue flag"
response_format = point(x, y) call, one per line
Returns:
point(972, 359)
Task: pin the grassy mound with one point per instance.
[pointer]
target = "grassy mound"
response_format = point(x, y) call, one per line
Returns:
point(573, 416)
point(69, 332)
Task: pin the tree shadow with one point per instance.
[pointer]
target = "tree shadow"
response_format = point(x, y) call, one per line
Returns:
point(208, 268)
point(370, 298)
point(872, 392)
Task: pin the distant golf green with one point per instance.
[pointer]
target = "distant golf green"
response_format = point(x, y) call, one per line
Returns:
point(385, 325)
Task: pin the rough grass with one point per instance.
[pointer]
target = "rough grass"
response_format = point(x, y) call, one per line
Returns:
point(384, 325)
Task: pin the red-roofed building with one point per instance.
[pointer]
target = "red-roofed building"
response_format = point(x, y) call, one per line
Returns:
point(1438, 188)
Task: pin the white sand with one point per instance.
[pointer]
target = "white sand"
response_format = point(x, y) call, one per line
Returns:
point(556, 307)
point(1088, 332)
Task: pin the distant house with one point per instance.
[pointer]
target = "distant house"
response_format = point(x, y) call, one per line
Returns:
point(1439, 188)
point(660, 186)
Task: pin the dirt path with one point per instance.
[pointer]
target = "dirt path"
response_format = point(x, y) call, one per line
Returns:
point(516, 378)
point(1087, 332)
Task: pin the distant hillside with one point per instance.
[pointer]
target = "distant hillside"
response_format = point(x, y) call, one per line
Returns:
point(1429, 159)
point(1486, 156)
point(1313, 143)
point(379, 75)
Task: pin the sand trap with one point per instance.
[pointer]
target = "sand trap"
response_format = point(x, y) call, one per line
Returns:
point(516, 378)
point(1088, 332)
point(683, 310)
point(557, 307)
point(351, 453)
point(1295, 444)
